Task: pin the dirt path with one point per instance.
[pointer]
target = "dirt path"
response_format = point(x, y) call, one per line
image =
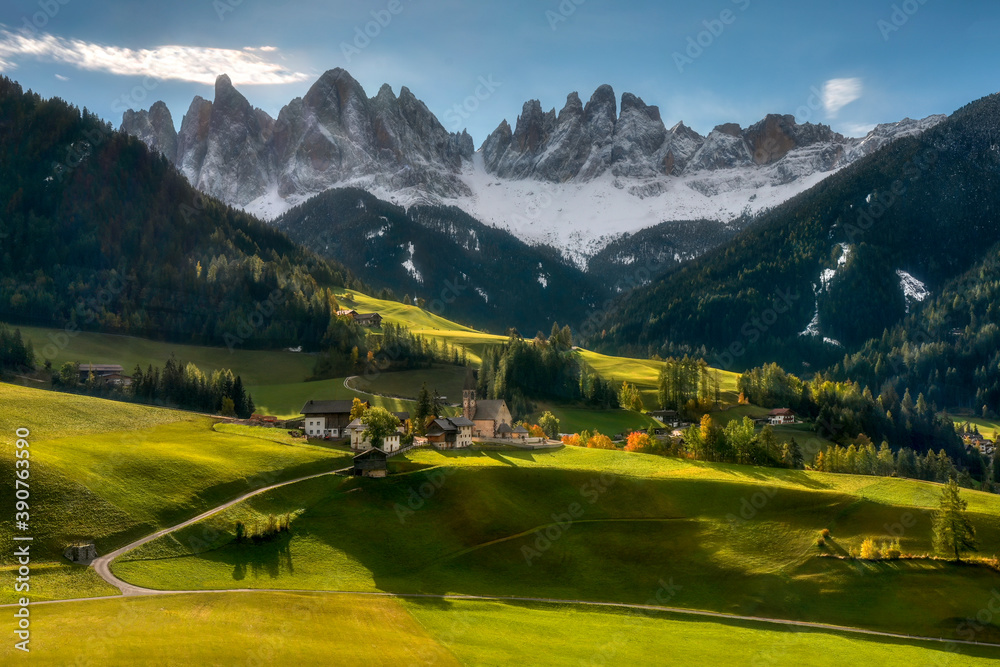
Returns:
point(102, 564)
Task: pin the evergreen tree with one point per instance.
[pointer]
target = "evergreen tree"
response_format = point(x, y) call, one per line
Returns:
point(953, 532)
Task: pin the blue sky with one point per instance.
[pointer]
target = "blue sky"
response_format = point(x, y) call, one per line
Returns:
point(850, 64)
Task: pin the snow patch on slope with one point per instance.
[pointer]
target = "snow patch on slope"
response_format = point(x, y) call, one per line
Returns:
point(914, 290)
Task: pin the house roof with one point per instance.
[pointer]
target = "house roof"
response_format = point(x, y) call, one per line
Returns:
point(489, 409)
point(461, 421)
point(401, 416)
point(373, 453)
point(101, 368)
point(782, 412)
point(367, 316)
point(504, 428)
point(327, 407)
point(520, 429)
point(356, 424)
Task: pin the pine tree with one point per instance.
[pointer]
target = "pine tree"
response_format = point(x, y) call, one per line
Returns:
point(953, 532)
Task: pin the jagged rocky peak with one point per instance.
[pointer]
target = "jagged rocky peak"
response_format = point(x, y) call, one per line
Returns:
point(155, 128)
point(331, 135)
point(775, 136)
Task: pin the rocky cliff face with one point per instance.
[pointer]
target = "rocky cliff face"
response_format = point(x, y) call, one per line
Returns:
point(581, 144)
point(333, 135)
point(574, 179)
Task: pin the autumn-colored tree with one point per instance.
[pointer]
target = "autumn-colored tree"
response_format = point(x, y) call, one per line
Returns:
point(639, 442)
point(535, 431)
point(357, 409)
point(599, 441)
point(573, 440)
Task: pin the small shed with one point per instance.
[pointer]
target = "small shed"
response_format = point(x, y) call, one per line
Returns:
point(371, 463)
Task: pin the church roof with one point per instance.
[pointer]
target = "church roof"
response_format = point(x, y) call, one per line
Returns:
point(489, 409)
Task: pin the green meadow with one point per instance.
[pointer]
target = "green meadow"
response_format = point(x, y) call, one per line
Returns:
point(604, 526)
point(311, 628)
point(112, 472)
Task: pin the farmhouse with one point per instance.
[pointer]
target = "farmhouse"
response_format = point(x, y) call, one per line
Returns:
point(327, 419)
point(781, 416)
point(111, 374)
point(450, 433)
point(486, 416)
point(371, 463)
point(372, 320)
point(361, 444)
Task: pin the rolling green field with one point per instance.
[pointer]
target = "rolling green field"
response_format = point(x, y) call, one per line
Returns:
point(448, 380)
point(988, 428)
point(307, 628)
point(739, 540)
point(111, 472)
point(644, 373)
point(254, 366)
point(608, 422)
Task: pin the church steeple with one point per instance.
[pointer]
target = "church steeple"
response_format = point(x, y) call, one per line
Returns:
point(469, 397)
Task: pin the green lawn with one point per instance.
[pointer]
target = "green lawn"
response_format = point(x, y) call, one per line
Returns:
point(608, 422)
point(491, 633)
point(287, 400)
point(254, 366)
point(988, 428)
point(307, 628)
point(228, 629)
point(738, 539)
point(112, 472)
point(448, 380)
point(644, 373)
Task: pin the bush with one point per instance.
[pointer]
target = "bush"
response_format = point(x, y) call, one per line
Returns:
point(599, 441)
point(573, 440)
point(825, 533)
point(891, 551)
point(821, 543)
point(869, 550)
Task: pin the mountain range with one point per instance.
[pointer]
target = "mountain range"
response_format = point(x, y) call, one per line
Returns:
point(577, 179)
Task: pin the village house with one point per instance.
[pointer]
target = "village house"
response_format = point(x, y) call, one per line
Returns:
point(109, 374)
point(371, 463)
point(486, 416)
point(359, 443)
point(781, 416)
point(450, 432)
point(371, 320)
point(327, 419)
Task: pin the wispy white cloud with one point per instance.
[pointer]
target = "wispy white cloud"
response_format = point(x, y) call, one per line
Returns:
point(838, 93)
point(183, 63)
point(62, 78)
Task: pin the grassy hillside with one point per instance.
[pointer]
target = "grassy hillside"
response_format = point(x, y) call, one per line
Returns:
point(254, 366)
point(739, 539)
point(111, 472)
point(270, 627)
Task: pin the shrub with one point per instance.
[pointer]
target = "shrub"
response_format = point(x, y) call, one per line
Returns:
point(869, 550)
point(639, 442)
point(241, 531)
point(599, 441)
point(825, 533)
point(572, 440)
point(891, 551)
point(821, 543)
